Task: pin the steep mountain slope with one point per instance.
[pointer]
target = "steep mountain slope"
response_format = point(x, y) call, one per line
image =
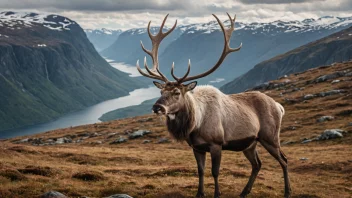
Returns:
point(202, 43)
point(334, 48)
point(48, 67)
point(102, 38)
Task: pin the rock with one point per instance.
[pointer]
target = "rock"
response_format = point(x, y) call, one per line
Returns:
point(288, 142)
point(325, 118)
point(332, 92)
point(23, 140)
point(137, 134)
point(110, 135)
point(53, 194)
point(83, 135)
point(119, 196)
point(331, 76)
point(349, 124)
point(37, 141)
point(98, 142)
point(63, 140)
point(308, 96)
point(146, 141)
point(119, 140)
point(306, 141)
point(163, 140)
point(331, 134)
point(95, 134)
point(335, 81)
point(303, 159)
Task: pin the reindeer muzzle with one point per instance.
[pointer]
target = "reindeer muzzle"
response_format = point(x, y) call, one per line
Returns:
point(158, 109)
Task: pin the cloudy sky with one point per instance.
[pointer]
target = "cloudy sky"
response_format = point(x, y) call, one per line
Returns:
point(126, 14)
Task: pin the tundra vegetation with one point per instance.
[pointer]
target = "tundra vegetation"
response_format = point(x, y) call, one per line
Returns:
point(81, 161)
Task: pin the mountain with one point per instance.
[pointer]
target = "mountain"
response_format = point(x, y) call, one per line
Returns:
point(202, 43)
point(102, 38)
point(48, 68)
point(334, 48)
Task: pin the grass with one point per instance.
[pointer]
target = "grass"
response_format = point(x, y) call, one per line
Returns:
point(169, 170)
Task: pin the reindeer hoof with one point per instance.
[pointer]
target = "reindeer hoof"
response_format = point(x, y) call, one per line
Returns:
point(200, 195)
point(287, 195)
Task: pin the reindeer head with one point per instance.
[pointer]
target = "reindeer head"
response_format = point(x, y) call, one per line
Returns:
point(173, 92)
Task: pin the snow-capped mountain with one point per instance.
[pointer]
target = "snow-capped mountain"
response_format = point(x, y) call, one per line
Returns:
point(15, 20)
point(102, 38)
point(203, 43)
point(48, 68)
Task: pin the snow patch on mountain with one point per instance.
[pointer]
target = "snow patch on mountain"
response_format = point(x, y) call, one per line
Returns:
point(327, 22)
point(16, 20)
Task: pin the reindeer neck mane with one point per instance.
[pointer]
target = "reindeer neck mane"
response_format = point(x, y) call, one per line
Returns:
point(184, 121)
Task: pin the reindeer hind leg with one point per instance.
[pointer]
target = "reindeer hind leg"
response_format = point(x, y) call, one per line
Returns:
point(277, 153)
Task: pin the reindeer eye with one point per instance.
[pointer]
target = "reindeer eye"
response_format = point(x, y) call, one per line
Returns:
point(177, 93)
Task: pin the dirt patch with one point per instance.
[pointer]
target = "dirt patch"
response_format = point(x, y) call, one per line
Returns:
point(130, 172)
point(83, 159)
point(13, 175)
point(37, 170)
point(126, 159)
point(22, 149)
point(89, 176)
point(174, 172)
point(340, 167)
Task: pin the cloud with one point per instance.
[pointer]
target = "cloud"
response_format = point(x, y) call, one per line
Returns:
point(94, 5)
point(127, 14)
point(276, 1)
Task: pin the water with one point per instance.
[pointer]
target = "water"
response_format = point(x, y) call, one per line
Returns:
point(130, 69)
point(89, 115)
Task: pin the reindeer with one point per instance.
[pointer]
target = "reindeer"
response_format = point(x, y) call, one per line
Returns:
point(211, 121)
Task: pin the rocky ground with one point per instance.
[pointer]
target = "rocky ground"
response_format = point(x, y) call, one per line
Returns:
point(136, 156)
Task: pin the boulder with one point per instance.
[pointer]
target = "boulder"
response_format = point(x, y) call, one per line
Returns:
point(331, 134)
point(335, 81)
point(138, 134)
point(146, 141)
point(308, 96)
point(119, 140)
point(53, 194)
point(63, 140)
point(163, 140)
point(325, 118)
point(332, 92)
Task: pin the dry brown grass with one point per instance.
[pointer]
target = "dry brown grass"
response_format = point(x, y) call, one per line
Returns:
point(169, 170)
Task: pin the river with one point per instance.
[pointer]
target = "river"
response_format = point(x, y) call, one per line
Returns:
point(90, 114)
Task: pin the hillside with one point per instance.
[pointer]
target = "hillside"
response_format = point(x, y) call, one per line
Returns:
point(109, 158)
point(202, 43)
point(334, 48)
point(102, 38)
point(48, 68)
point(131, 111)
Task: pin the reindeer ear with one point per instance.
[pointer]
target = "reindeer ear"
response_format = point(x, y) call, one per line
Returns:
point(158, 85)
point(191, 86)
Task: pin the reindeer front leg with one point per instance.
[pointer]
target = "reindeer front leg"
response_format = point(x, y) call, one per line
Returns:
point(200, 157)
point(215, 152)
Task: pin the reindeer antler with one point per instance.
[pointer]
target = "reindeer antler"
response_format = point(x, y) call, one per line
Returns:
point(227, 50)
point(156, 40)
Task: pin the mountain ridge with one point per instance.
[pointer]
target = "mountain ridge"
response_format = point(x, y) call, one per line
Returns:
point(48, 68)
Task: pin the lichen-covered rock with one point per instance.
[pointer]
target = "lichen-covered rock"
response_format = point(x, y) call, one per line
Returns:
point(325, 118)
point(308, 96)
point(331, 134)
point(332, 92)
point(137, 134)
point(53, 194)
point(119, 140)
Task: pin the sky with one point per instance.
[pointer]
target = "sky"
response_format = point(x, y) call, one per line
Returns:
point(127, 14)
